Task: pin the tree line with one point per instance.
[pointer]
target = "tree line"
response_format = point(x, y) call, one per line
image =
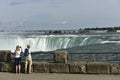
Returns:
point(108, 29)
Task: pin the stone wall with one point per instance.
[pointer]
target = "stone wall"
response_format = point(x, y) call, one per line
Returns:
point(74, 68)
point(5, 55)
point(98, 68)
point(61, 65)
point(61, 56)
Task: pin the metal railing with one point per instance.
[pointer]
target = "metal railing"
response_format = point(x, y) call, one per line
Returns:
point(95, 57)
point(87, 57)
point(38, 57)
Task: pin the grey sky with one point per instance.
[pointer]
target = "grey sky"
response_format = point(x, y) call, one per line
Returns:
point(58, 14)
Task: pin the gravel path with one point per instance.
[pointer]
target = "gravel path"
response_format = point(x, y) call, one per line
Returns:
point(55, 76)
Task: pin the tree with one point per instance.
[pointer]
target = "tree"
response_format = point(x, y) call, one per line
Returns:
point(111, 29)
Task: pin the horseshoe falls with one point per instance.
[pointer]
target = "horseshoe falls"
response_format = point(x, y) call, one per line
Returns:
point(54, 42)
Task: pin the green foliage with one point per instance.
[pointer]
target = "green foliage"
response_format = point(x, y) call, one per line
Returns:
point(109, 29)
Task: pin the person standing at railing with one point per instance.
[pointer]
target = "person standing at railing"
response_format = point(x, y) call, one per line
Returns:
point(28, 59)
point(17, 55)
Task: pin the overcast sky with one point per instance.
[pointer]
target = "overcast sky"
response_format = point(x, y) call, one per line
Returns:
point(58, 14)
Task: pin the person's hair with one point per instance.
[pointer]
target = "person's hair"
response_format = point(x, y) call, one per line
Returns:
point(17, 48)
point(28, 46)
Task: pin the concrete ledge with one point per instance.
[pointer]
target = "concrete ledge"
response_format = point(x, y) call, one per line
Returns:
point(98, 68)
point(77, 67)
point(59, 68)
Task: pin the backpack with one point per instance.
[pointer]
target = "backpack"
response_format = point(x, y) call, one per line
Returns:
point(26, 52)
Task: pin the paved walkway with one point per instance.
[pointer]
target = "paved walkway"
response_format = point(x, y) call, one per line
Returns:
point(55, 76)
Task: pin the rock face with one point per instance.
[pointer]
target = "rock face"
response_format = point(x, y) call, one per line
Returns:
point(98, 68)
point(77, 67)
point(61, 56)
point(5, 55)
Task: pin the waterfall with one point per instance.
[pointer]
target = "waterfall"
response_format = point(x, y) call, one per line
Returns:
point(47, 42)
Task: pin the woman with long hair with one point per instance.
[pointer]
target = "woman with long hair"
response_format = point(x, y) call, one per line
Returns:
point(18, 52)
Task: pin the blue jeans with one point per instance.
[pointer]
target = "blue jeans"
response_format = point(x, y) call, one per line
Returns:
point(17, 61)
